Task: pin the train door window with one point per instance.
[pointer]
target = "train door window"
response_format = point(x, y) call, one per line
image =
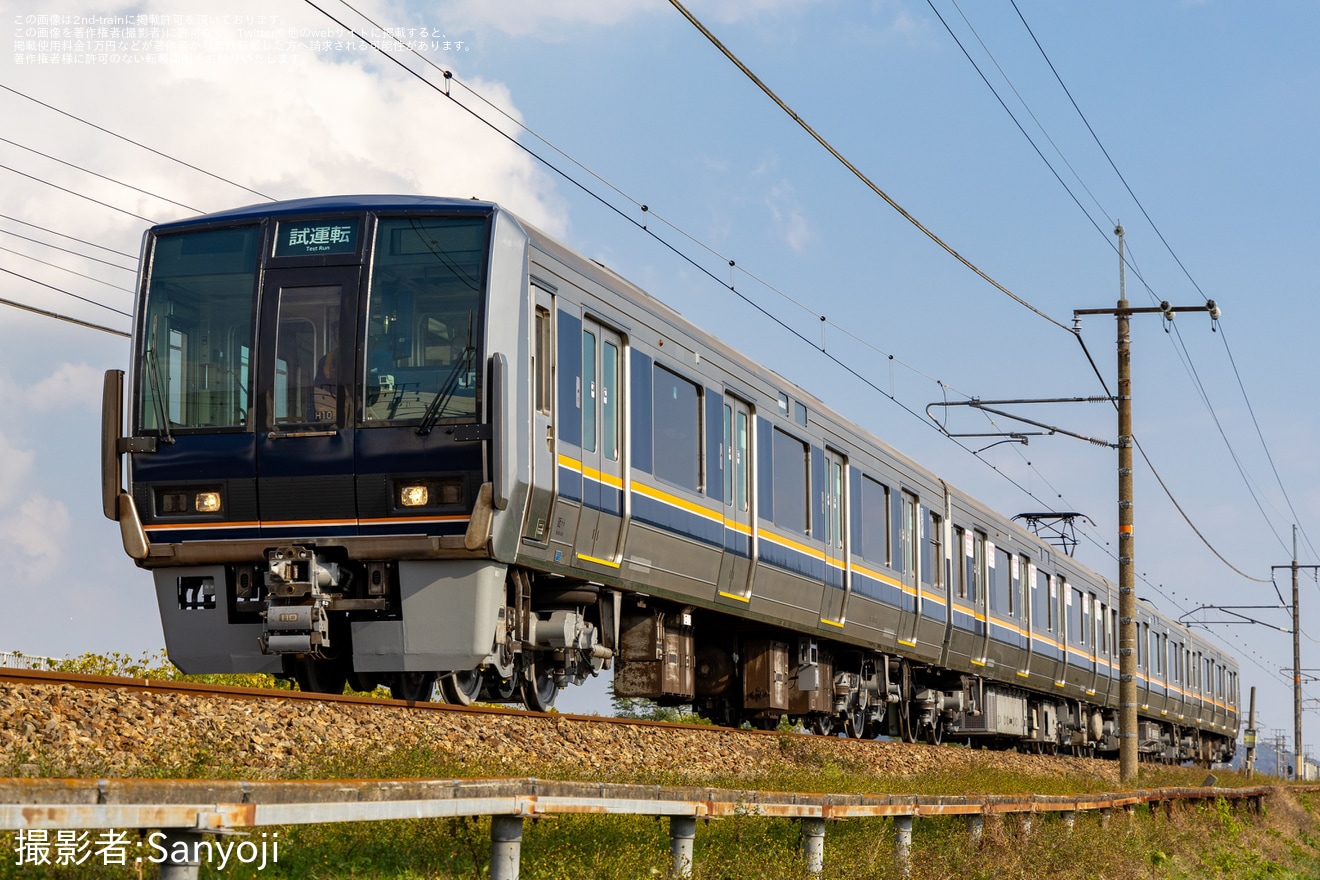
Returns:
point(1102, 621)
point(1021, 586)
point(800, 413)
point(834, 529)
point(726, 449)
point(960, 555)
point(541, 368)
point(609, 401)
point(1084, 602)
point(588, 391)
point(677, 422)
point(980, 567)
point(1046, 583)
point(909, 534)
point(935, 523)
point(790, 466)
point(307, 355)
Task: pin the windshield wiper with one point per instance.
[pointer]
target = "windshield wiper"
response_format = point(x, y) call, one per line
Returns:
point(446, 392)
point(153, 376)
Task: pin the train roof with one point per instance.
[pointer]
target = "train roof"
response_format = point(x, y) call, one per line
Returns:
point(330, 204)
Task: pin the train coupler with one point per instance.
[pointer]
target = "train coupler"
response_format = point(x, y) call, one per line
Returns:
point(296, 615)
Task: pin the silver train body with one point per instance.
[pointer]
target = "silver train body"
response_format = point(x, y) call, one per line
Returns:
point(532, 472)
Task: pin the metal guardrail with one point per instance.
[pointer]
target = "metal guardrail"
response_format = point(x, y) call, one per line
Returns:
point(19, 660)
point(185, 810)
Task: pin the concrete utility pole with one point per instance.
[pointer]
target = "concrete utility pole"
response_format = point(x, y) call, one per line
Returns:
point(1249, 738)
point(1127, 591)
point(1297, 656)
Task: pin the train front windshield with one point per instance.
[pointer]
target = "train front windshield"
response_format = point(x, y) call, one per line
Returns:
point(217, 351)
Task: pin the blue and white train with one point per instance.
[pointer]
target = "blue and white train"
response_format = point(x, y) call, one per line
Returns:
point(415, 442)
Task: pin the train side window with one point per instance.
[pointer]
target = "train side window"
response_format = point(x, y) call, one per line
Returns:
point(875, 520)
point(541, 361)
point(935, 544)
point(677, 421)
point(790, 466)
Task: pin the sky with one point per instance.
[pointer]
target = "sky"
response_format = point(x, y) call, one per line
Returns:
point(1019, 135)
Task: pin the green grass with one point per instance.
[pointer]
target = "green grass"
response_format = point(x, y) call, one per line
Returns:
point(1192, 842)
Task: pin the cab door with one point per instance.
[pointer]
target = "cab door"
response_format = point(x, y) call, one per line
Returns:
point(306, 392)
point(544, 472)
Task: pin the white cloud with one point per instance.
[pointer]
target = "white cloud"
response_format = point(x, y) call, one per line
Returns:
point(70, 386)
point(37, 538)
point(15, 466)
point(788, 217)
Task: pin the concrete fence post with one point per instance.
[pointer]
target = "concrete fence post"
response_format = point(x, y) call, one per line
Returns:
point(976, 828)
point(181, 862)
point(682, 837)
point(505, 847)
point(813, 845)
point(903, 844)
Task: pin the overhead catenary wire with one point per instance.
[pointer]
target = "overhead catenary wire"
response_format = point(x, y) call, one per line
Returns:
point(1187, 362)
point(857, 172)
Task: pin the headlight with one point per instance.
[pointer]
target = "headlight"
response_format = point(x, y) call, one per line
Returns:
point(207, 502)
point(414, 496)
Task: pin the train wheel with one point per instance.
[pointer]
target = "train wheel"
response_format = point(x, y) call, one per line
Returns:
point(416, 687)
point(321, 676)
point(854, 723)
point(538, 687)
point(822, 725)
point(935, 733)
point(498, 688)
point(461, 688)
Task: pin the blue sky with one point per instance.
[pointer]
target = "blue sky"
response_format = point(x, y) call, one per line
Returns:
point(1205, 108)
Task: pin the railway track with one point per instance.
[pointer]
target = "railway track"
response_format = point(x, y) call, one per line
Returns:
point(59, 724)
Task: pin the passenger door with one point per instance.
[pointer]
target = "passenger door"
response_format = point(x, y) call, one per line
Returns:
point(838, 575)
point(735, 577)
point(602, 445)
point(905, 560)
point(305, 407)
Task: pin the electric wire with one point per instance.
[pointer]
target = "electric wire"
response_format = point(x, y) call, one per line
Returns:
point(1184, 354)
point(102, 247)
point(65, 318)
point(128, 290)
point(870, 184)
point(98, 174)
point(90, 302)
point(646, 211)
point(70, 251)
point(704, 270)
point(1246, 399)
point(74, 193)
point(136, 143)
